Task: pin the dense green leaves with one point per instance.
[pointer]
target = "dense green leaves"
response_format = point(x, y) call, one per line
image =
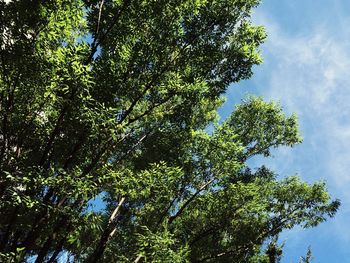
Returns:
point(107, 103)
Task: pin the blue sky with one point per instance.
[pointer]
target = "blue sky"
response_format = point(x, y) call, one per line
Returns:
point(307, 69)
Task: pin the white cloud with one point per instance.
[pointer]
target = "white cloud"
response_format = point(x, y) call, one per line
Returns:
point(310, 75)
point(307, 69)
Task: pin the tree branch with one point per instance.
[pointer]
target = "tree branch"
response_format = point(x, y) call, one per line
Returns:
point(187, 203)
point(108, 233)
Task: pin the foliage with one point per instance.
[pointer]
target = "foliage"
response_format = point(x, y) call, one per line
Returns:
point(113, 98)
point(308, 257)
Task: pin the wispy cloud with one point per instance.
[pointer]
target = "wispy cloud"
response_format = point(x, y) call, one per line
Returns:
point(309, 73)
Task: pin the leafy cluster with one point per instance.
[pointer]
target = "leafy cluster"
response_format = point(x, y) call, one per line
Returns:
point(110, 100)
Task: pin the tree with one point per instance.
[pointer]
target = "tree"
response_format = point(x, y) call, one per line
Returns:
point(113, 98)
point(308, 257)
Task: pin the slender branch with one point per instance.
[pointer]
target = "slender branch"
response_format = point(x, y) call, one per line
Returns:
point(75, 150)
point(55, 132)
point(137, 259)
point(133, 148)
point(98, 40)
point(187, 203)
point(148, 87)
point(108, 233)
point(242, 249)
point(58, 249)
point(150, 110)
point(164, 213)
point(99, 18)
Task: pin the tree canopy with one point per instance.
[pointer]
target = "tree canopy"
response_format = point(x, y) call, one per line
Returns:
point(111, 100)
